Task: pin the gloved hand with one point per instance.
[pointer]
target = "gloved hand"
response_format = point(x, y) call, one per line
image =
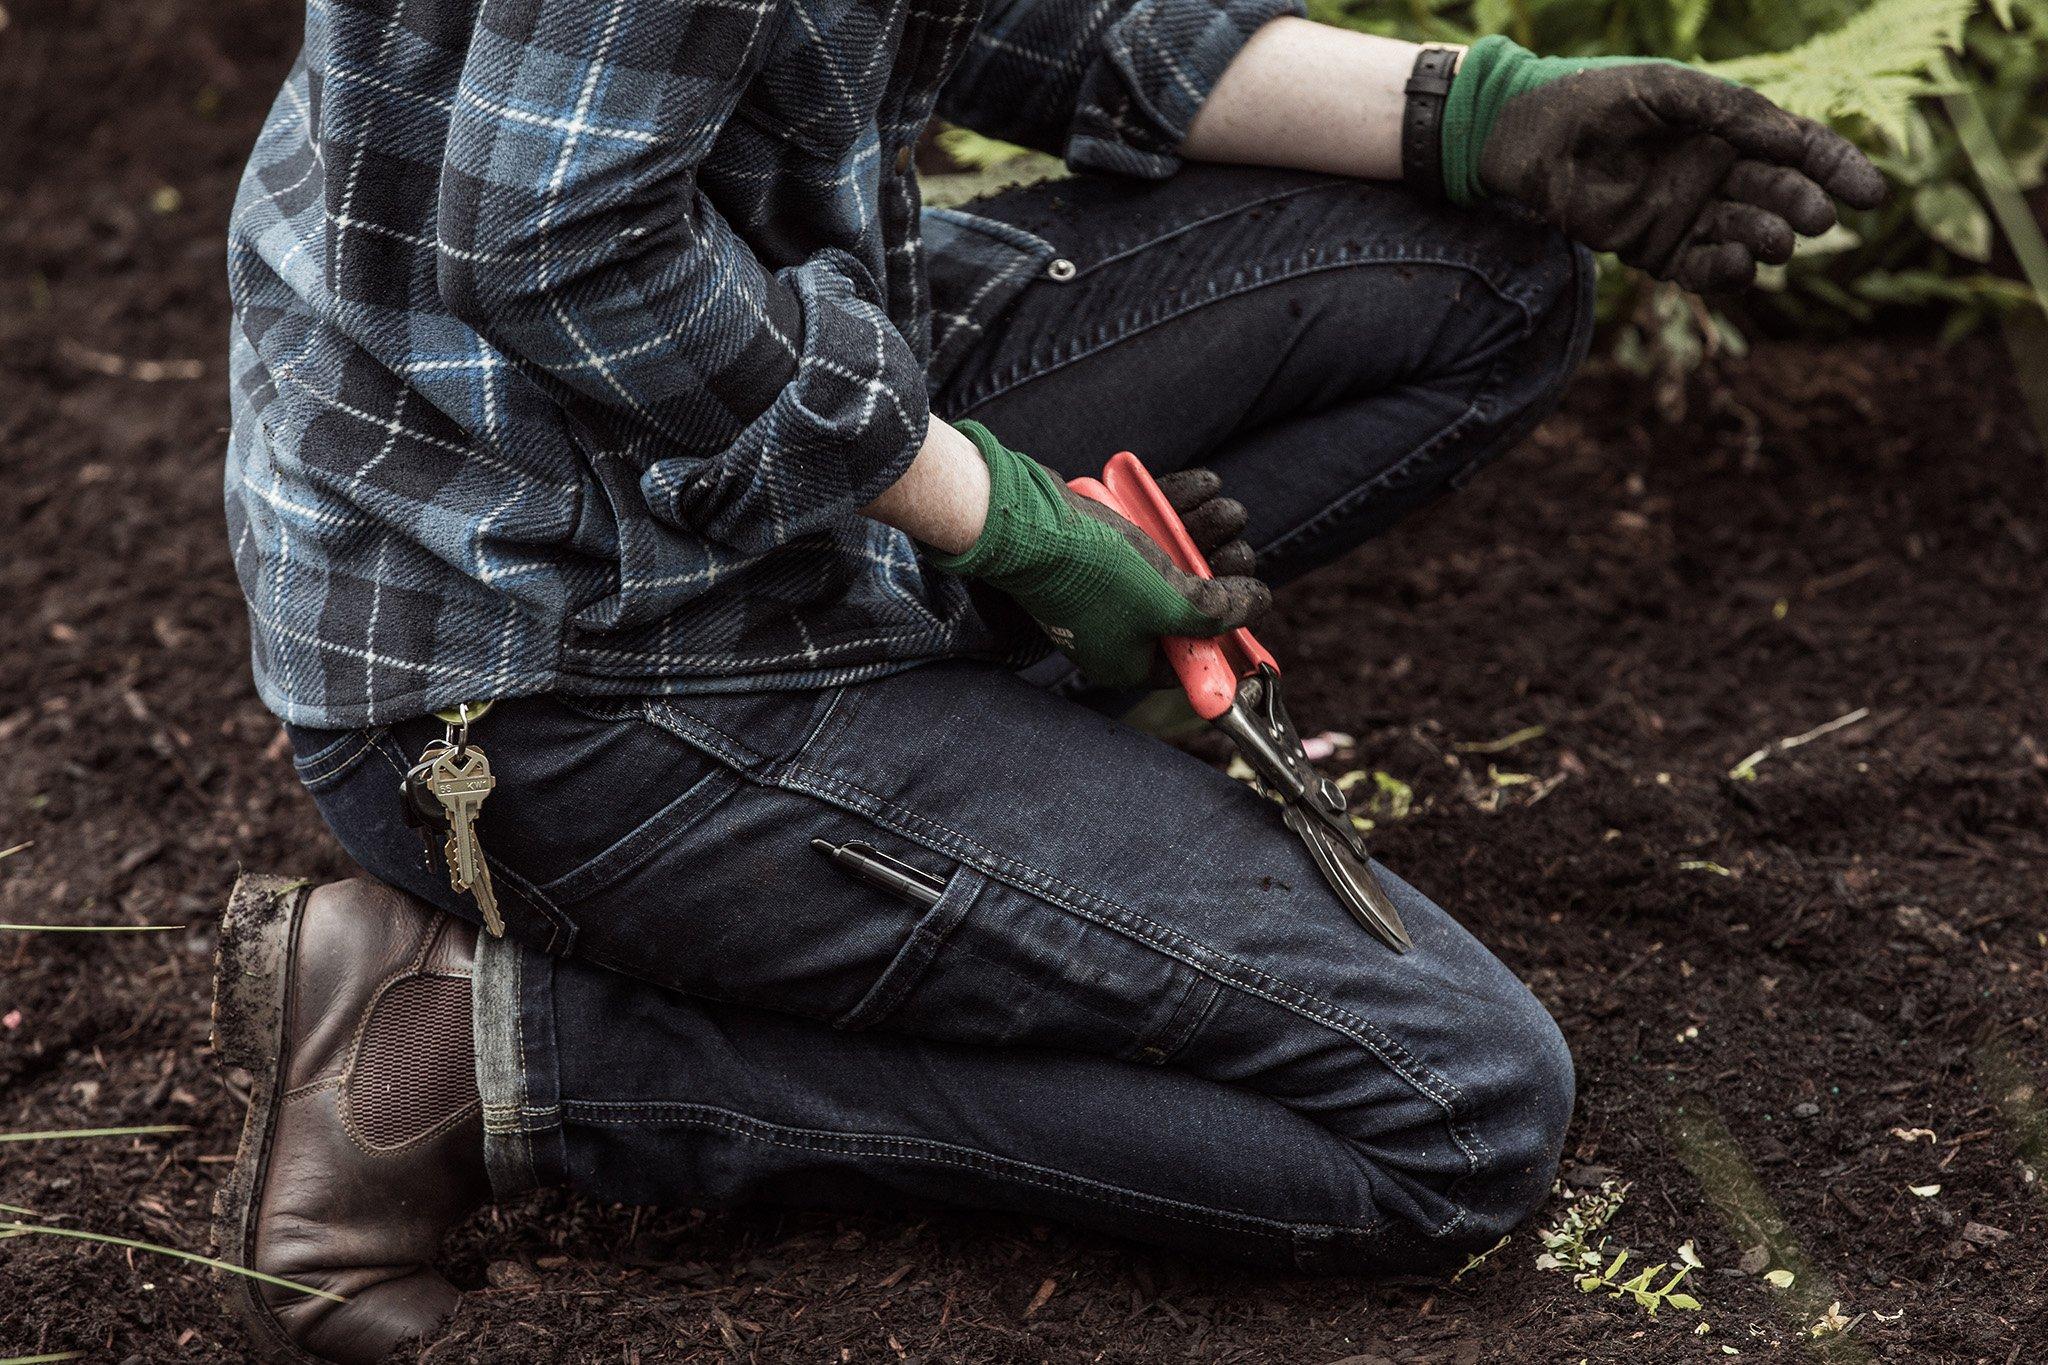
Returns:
point(1095, 583)
point(1689, 176)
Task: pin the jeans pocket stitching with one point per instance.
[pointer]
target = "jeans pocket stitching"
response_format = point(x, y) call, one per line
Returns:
point(561, 929)
point(680, 816)
point(325, 765)
point(1434, 1086)
point(595, 708)
point(837, 715)
point(314, 759)
point(385, 747)
point(665, 714)
point(707, 736)
point(1193, 1009)
point(914, 959)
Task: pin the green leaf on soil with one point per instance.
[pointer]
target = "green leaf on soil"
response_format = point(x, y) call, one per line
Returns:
point(1392, 797)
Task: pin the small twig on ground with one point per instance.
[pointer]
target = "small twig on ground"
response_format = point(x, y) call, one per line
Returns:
point(1503, 744)
point(91, 928)
point(55, 1134)
point(1745, 771)
point(27, 1229)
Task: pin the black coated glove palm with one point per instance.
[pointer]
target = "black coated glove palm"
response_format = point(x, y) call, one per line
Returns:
point(1677, 171)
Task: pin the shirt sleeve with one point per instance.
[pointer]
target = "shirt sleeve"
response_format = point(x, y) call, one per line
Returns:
point(574, 236)
point(1111, 85)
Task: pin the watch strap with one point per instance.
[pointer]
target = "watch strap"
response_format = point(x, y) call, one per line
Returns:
point(1422, 121)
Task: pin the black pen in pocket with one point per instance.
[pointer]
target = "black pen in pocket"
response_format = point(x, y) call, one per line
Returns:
point(877, 868)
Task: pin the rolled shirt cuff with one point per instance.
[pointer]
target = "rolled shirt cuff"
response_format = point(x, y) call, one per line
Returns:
point(1156, 68)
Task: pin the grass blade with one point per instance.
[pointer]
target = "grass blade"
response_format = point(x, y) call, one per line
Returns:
point(90, 929)
point(2001, 186)
point(43, 1360)
point(191, 1256)
point(51, 1134)
point(9, 853)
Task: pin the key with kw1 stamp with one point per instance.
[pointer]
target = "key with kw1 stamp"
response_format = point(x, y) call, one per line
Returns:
point(459, 777)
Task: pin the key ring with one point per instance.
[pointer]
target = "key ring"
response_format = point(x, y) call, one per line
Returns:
point(458, 719)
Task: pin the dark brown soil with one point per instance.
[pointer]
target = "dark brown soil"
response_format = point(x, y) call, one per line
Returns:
point(1766, 982)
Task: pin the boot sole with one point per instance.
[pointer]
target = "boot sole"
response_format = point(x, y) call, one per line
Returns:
point(251, 997)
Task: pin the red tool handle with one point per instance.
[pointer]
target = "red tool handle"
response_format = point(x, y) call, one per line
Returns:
point(1208, 669)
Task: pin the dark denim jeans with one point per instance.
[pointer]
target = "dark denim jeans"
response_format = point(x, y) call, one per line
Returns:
point(1136, 1005)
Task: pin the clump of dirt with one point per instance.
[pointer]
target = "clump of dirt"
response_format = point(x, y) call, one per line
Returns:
point(1800, 986)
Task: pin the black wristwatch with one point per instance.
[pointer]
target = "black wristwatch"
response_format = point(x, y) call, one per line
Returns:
point(1422, 124)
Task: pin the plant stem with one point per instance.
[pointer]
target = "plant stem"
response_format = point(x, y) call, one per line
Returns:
point(2001, 186)
point(194, 1257)
point(89, 929)
point(52, 1134)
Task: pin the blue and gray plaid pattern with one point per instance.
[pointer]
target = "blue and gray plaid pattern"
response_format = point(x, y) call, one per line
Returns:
point(571, 334)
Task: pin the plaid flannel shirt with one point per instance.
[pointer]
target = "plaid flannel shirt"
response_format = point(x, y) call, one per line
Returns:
point(571, 334)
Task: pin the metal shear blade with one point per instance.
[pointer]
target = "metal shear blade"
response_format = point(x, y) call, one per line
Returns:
point(1234, 683)
point(1313, 806)
point(1355, 883)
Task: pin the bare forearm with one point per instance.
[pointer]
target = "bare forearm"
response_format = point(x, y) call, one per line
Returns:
point(942, 499)
point(1309, 97)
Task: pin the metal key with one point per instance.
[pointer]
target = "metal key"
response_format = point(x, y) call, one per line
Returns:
point(460, 778)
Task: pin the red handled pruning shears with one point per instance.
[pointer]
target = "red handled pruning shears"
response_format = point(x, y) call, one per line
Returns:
point(1234, 684)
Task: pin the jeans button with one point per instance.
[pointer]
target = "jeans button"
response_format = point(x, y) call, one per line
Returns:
point(902, 160)
point(1061, 270)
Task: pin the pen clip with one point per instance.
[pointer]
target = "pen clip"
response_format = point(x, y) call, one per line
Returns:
point(861, 848)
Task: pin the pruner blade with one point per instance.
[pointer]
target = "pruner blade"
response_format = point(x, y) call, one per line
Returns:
point(1315, 809)
point(1354, 881)
point(1234, 683)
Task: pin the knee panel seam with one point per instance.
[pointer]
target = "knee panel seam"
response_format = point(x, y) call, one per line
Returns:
point(1201, 957)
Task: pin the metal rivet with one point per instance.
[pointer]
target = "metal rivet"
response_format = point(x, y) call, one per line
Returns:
point(902, 160)
point(1061, 270)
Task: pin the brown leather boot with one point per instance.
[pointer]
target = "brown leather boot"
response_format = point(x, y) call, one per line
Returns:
point(349, 1005)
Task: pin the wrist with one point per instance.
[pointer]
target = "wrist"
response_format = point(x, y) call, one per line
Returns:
point(992, 550)
point(1486, 80)
point(1422, 120)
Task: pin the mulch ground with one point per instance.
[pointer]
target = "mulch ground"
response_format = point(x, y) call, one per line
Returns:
point(1796, 996)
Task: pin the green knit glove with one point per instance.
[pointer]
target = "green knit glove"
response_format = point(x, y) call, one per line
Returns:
point(1689, 176)
point(1095, 583)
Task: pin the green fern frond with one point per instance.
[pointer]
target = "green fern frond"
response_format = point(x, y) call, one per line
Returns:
point(1872, 68)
